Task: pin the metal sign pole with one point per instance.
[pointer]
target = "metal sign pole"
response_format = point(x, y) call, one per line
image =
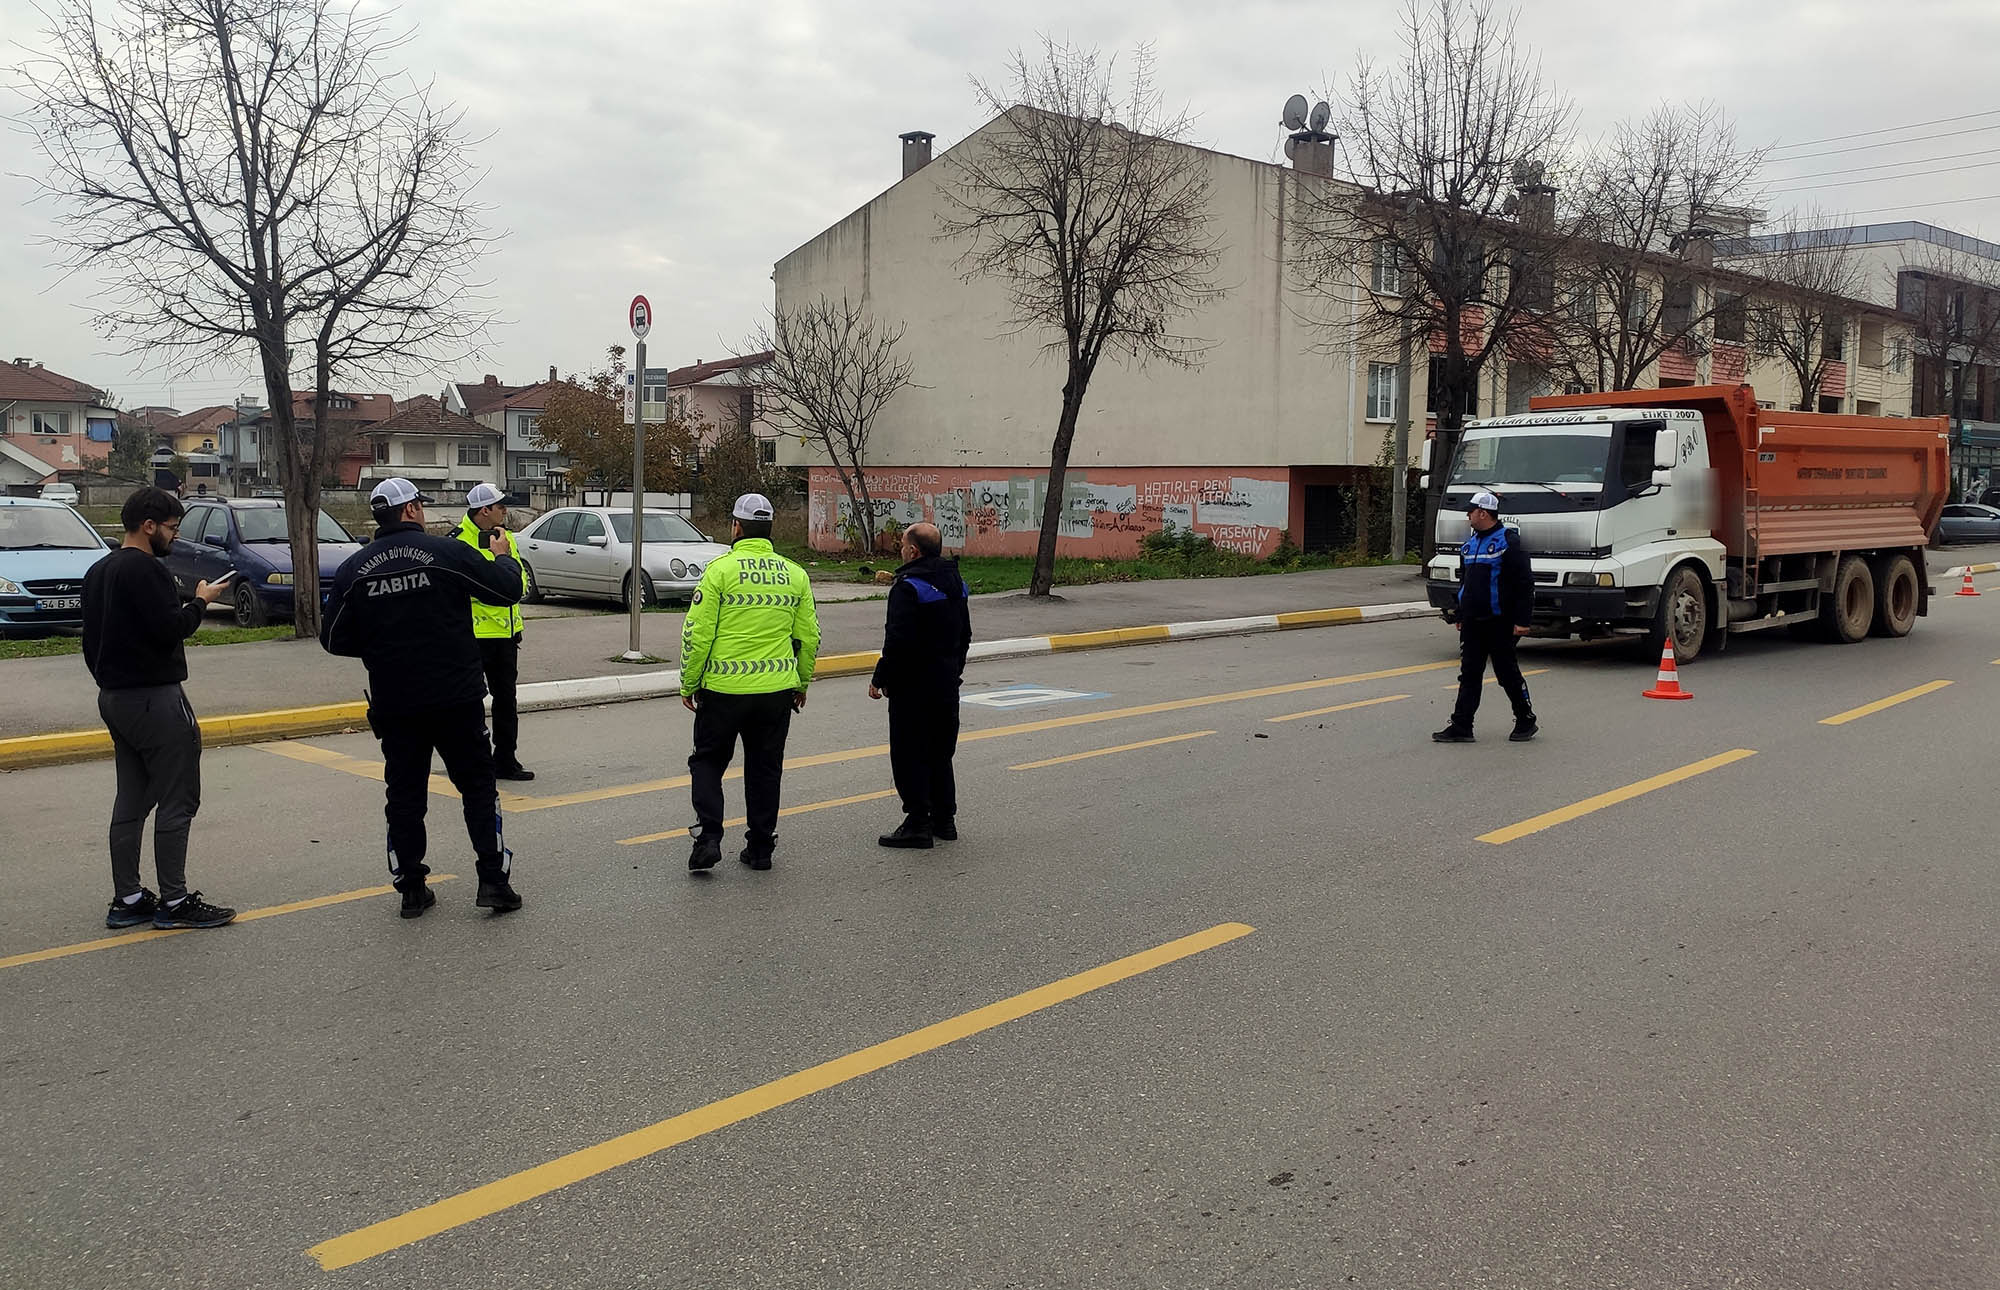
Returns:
point(641, 318)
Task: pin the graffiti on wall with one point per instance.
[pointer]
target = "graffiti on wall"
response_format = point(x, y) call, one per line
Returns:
point(1104, 512)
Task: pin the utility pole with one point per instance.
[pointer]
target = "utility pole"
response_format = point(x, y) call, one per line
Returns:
point(642, 322)
point(1399, 478)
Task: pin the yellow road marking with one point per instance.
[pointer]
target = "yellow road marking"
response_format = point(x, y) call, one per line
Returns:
point(1563, 815)
point(467, 1207)
point(1870, 709)
point(1491, 680)
point(1106, 752)
point(1338, 707)
point(613, 791)
point(363, 768)
point(247, 916)
point(807, 808)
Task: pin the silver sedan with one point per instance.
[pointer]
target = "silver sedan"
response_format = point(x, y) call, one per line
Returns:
point(587, 551)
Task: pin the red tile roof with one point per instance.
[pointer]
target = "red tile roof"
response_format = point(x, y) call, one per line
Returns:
point(368, 408)
point(39, 384)
point(696, 373)
point(200, 421)
point(532, 397)
point(425, 415)
point(478, 398)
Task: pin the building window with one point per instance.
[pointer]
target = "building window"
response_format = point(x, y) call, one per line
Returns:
point(1386, 273)
point(528, 425)
point(340, 401)
point(51, 423)
point(1731, 319)
point(1639, 309)
point(1871, 342)
point(1525, 382)
point(1583, 305)
point(1899, 355)
point(381, 452)
point(767, 451)
point(531, 468)
point(475, 454)
point(1829, 403)
point(1434, 396)
point(1382, 392)
point(1834, 344)
point(1678, 313)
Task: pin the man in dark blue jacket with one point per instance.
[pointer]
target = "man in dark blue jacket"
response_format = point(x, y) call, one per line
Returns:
point(924, 643)
point(1496, 604)
point(403, 606)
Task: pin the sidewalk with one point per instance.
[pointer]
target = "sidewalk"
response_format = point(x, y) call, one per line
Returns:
point(56, 694)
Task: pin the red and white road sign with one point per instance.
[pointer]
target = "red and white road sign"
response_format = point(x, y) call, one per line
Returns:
point(642, 317)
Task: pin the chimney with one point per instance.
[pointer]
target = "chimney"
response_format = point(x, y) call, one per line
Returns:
point(1536, 197)
point(24, 362)
point(1698, 248)
point(491, 381)
point(552, 373)
point(1312, 155)
point(916, 151)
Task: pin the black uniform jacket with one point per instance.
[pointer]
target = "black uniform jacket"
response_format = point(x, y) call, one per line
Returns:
point(929, 628)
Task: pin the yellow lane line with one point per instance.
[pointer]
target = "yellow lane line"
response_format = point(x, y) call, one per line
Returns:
point(480, 1202)
point(363, 768)
point(804, 809)
point(1338, 707)
point(614, 791)
point(1526, 671)
point(1563, 815)
point(1870, 709)
point(247, 916)
point(1106, 752)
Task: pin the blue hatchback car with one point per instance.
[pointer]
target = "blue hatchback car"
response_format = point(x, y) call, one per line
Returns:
point(45, 549)
point(249, 536)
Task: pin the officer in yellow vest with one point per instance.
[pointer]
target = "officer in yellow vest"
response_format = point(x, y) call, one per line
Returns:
point(498, 628)
point(748, 645)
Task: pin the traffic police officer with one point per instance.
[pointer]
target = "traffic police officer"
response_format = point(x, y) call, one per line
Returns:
point(1496, 604)
point(403, 606)
point(747, 650)
point(498, 628)
point(924, 642)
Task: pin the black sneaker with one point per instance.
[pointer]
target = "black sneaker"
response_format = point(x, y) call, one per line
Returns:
point(945, 828)
point(139, 911)
point(192, 911)
point(1452, 735)
point(1524, 731)
point(707, 853)
point(416, 900)
point(910, 833)
point(516, 772)
point(500, 897)
point(756, 857)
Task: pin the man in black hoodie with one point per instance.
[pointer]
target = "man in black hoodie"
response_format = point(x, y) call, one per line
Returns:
point(924, 643)
point(403, 606)
point(1496, 607)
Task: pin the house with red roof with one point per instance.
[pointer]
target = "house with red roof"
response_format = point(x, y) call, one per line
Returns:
point(48, 423)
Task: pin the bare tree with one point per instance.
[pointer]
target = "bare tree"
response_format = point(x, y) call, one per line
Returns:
point(833, 369)
point(251, 183)
point(1452, 242)
point(1638, 284)
point(1085, 201)
point(1952, 300)
point(1798, 315)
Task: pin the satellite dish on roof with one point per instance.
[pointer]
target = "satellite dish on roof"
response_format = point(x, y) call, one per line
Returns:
point(1295, 112)
point(1322, 112)
point(1291, 148)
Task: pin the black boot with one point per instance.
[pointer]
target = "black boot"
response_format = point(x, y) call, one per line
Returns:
point(757, 852)
point(500, 897)
point(707, 852)
point(1525, 728)
point(945, 828)
point(1453, 734)
point(914, 831)
point(417, 899)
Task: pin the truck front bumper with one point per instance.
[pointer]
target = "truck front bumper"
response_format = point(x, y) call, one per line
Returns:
point(1562, 604)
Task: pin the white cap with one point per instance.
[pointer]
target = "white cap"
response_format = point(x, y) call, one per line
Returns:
point(752, 506)
point(483, 495)
point(1485, 501)
point(395, 492)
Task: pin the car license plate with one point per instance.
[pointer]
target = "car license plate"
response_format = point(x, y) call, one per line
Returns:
point(60, 602)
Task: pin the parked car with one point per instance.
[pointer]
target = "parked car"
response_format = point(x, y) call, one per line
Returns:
point(587, 551)
point(45, 549)
point(60, 492)
point(249, 536)
point(1969, 522)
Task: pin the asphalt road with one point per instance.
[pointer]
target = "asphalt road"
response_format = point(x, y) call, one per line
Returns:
point(1733, 1031)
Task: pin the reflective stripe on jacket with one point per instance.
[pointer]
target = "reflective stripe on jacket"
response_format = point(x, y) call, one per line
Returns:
point(751, 627)
point(493, 622)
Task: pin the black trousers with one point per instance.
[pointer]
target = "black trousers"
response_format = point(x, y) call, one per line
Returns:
point(1480, 639)
point(762, 721)
point(156, 746)
point(457, 733)
point(501, 659)
point(923, 735)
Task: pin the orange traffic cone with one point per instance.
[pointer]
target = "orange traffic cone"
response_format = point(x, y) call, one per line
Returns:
point(1669, 684)
point(1966, 588)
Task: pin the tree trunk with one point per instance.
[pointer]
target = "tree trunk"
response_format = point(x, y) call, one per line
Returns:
point(1042, 580)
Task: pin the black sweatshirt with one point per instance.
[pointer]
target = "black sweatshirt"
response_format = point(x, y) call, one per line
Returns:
point(134, 622)
point(928, 630)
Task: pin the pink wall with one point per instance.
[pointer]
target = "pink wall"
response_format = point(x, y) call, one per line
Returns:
point(998, 510)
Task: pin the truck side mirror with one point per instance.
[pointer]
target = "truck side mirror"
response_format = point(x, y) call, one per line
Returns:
point(1666, 448)
point(1426, 459)
point(1663, 476)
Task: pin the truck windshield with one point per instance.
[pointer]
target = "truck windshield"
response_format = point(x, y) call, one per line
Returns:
point(1569, 458)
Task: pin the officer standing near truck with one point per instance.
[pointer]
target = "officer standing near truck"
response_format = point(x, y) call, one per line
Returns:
point(498, 628)
point(748, 645)
point(403, 606)
point(1496, 605)
point(924, 642)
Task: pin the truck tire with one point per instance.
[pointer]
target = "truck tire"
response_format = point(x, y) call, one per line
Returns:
point(1683, 615)
point(1897, 595)
point(1850, 611)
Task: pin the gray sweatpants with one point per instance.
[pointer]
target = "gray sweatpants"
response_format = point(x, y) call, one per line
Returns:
point(157, 746)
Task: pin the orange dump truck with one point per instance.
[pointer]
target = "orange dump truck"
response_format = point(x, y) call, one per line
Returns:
point(1689, 514)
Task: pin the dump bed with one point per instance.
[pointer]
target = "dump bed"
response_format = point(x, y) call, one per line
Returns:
point(1798, 482)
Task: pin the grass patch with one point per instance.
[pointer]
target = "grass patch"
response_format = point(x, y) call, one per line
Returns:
point(1177, 557)
point(53, 646)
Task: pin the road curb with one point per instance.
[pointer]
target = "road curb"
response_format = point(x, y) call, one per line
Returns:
point(26, 751)
point(1960, 570)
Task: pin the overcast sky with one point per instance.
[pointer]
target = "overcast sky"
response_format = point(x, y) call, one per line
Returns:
point(678, 149)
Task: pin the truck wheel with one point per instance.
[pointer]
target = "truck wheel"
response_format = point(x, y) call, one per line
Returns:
point(1896, 596)
point(1850, 610)
point(1683, 614)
